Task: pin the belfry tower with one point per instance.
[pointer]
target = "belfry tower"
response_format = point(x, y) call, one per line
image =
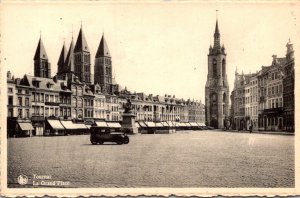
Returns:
point(216, 88)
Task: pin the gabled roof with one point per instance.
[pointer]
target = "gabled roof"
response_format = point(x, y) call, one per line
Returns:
point(40, 52)
point(62, 59)
point(103, 49)
point(81, 44)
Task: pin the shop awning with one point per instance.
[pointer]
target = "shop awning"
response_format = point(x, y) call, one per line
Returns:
point(68, 124)
point(88, 126)
point(25, 126)
point(101, 124)
point(165, 124)
point(170, 123)
point(159, 124)
point(113, 125)
point(80, 126)
point(136, 125)
point(142, 124)
point(187, 124)
point(194, 124)
point(55, 124)
point(150, 124)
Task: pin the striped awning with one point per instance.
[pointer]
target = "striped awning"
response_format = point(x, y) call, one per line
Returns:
point(150, 124)
point(55, 124)
point(101, 124)
point(158, 124)
point(25, 126)
point(194, 124)
point(113, 125)
point(142, 124)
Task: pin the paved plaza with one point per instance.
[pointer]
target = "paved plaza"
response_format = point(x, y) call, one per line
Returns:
point(182, 159)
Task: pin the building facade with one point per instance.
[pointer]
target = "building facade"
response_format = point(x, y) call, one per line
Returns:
point(265, 99)
point(37, 103)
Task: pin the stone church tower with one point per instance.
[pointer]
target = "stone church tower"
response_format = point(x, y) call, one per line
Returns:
point(216, 88)
point(103, 69)
point(42, 67)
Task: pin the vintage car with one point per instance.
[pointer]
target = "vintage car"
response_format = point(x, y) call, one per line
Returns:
point(99, 135)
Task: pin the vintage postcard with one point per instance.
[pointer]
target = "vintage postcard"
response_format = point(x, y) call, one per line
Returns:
point(191, 98)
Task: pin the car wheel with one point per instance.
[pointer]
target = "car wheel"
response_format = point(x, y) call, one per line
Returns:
point(93, 142)
point(120, 142)
point(100, 142)
point(126, 140)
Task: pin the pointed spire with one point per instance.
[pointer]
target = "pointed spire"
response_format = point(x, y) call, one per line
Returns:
point(62, 59)
point(81, 44)
point(103, 48)
point(69, 63)
point(217, 33)
point(40, 52)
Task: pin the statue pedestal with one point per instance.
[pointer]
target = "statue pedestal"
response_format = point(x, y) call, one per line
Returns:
point(128, 123)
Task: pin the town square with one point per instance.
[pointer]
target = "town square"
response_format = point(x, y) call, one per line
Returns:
point(131, 96)
point(182, 159)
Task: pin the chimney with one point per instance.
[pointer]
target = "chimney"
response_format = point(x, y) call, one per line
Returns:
point(8, 75)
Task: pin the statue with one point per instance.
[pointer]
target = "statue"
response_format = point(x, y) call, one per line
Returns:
point(128, 106)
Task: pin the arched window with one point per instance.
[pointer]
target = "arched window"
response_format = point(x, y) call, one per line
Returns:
point(223, 68)
point(215, 70)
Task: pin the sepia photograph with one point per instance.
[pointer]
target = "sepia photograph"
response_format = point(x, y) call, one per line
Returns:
point(149, 98)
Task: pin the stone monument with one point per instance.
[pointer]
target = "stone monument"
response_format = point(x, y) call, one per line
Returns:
point(128, 123)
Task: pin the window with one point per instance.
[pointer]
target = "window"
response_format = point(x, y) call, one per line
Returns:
point(27, 102)
point(51, 98)
point(42, 97)
point(10, 100)
point(27, 113)
point(19, 91)
point(26, 91)
point(47, 111)
point(56, 111)
point(10, 90)
point(42, 111)
point(51, 111)
point(10, 113)
point(20, 101)
point(280, 89)
point(46, 98)
point(20, 113)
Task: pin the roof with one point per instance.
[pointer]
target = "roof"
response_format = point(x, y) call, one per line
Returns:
point(81, 44)
point(62, 59)
point(43, 82)
point(40, 52)
point(103, 49)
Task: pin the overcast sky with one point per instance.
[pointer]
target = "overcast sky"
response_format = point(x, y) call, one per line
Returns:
point(156, 47)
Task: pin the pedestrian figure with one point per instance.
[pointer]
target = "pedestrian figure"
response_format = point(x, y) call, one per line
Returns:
point(250, 128)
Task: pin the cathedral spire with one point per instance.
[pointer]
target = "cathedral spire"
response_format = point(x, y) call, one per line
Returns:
point(69, 62)
point(62, 59)
point(81, 44)
point(103, 48)
point(40, 52)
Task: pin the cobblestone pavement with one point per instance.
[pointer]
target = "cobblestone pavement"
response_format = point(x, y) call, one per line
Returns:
point(182, 159)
